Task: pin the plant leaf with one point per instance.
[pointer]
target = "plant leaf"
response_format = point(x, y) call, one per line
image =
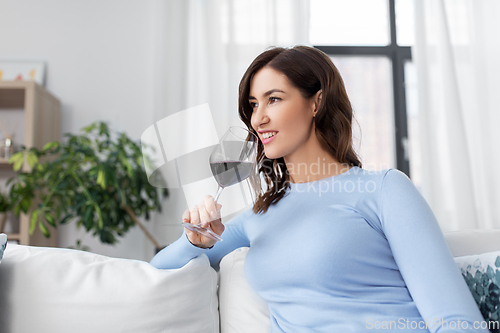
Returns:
point(32, 159)
point(66, 218)
point(88, 213)
point(89, 128)
point(44, 229)
point(18, 163)
point(101, 180)
point(16, 156)
point(34, 218)
point(25, 204)
point(50, 219)
point(49, 145)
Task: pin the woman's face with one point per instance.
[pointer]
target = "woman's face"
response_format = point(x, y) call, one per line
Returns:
point(279, 107)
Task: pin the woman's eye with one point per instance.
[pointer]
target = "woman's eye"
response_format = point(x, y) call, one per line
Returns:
point(274, 99)
point(253, 105)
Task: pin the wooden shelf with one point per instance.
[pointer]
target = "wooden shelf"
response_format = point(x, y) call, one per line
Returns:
point(13, 237)
point(4, 162)
point(42, 124)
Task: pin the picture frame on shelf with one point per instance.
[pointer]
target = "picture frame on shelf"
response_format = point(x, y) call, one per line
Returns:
point(22, 70)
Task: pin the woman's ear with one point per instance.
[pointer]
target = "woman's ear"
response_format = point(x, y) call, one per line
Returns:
point(317, 101)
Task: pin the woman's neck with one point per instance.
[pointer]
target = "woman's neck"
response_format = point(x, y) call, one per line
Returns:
point(314, 168)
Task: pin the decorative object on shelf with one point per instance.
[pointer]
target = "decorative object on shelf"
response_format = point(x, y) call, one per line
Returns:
point(7, 147)
point(96, 179)
point(4, 208)
point(22, 70)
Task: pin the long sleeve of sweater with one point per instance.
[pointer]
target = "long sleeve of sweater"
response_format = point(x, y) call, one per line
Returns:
point(182, 251)
point(423, 258)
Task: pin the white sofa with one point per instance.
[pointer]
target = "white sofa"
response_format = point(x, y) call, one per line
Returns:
point(60, 290)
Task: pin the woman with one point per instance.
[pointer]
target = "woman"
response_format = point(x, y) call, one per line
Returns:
point(333, 248)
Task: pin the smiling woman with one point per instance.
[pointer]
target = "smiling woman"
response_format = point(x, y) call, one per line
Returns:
point(333, 247)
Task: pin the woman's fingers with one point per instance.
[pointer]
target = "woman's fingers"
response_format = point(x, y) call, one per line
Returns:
point(217, 225)
point(211, 205)
point(206, 209)
point(194, 215)
point(205, 218)
point(213, 214)
point(207, 213)
point(189, 233)
point(185, 216)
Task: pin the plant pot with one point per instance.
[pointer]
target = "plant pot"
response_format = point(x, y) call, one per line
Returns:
point(3, 217)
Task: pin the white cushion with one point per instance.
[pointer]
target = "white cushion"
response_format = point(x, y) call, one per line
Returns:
point(241, 309)
point(61, 290)
point(473, 241)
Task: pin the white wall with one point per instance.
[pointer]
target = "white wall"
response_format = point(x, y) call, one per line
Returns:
point(100, 64)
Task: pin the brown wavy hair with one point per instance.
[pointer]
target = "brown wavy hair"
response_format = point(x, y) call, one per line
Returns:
point(309, 70)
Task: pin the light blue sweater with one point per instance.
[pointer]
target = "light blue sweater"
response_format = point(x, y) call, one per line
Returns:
point(357, 252)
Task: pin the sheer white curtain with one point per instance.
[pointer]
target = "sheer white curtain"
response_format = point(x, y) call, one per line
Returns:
point(457, 54)
point(203, 49)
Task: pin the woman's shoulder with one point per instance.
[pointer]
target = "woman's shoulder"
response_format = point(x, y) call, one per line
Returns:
point(367, 176)
point(395, 183)
point(375, 182)
point(377, 188)
point(377, 175)
point(394, 177)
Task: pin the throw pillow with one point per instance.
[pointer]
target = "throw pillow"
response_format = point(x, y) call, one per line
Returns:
point(241, 309)
point(60, 290)
point(482, 275)
point(3, 245)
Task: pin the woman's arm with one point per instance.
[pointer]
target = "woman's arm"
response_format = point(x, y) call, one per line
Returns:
point(182, 251)
point(424, 260)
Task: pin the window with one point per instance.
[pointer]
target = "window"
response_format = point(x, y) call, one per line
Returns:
point(370, 42)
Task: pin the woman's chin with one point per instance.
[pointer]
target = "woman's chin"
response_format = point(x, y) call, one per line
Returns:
point(272, 155)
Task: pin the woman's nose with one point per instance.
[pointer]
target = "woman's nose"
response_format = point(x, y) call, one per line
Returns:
point(259, 117)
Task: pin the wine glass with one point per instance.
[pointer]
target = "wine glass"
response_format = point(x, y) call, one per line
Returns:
point(231, 162)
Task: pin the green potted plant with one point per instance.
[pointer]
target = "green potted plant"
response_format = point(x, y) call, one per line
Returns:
point(96, 179)
point(4, 208)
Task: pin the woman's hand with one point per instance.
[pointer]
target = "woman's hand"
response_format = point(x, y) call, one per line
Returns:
point(208, 214)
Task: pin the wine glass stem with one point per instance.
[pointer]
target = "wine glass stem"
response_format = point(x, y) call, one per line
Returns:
point(219, 191)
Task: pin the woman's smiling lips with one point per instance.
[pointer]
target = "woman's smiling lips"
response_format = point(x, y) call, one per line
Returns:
point(267, 140)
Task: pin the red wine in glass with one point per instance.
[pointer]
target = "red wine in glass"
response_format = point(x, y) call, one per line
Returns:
point(228, 173)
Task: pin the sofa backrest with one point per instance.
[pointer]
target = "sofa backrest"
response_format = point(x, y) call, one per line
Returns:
point(470, 242)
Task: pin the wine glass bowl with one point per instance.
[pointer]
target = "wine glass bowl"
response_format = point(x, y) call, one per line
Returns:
point(231, 162)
